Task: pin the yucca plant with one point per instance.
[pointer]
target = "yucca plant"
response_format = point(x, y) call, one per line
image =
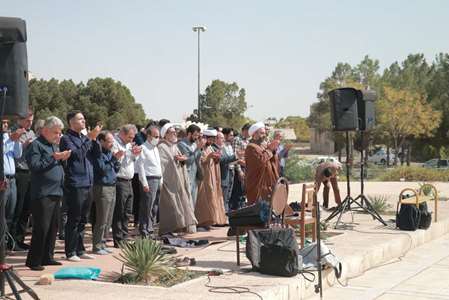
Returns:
point(145, 259)
point(379, 203)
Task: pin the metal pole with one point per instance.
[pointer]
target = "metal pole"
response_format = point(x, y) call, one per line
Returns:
point(199, 102)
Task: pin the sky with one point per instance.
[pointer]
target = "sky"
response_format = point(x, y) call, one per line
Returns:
point(279, 51)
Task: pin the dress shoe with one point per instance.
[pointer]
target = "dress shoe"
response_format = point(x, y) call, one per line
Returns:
point(86, 256)
point(36, 268)
point(24, 246)
point(18, 248)
point(52, 263)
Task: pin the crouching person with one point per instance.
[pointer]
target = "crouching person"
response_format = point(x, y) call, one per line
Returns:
point(47, 177)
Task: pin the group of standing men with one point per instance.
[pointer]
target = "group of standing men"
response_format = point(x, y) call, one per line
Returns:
point(183, 184)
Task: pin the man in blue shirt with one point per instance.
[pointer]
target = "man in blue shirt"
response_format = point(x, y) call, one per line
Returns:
point(12, 149)
point(79, 180)
point(106, 166)
point(47, 179)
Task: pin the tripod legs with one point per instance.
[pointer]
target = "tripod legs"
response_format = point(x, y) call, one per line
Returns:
point(12, 278)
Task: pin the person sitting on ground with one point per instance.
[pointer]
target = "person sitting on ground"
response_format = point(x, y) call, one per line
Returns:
point(327, 172)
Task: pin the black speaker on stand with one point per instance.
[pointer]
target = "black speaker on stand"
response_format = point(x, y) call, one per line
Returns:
point(351, 110)
point(13, 102)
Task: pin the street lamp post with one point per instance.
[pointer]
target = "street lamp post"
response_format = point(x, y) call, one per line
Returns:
point(199, 29)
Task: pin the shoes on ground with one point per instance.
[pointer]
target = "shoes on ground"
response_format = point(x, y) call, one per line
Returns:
point(52, 263)
point(101, 252)
point(36, 268)
point(86, 256)
point(74, 258)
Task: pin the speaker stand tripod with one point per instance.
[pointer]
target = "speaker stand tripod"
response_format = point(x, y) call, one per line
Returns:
point(6, 271)
point(345, 206)
point(319, 285)
point(364, 202)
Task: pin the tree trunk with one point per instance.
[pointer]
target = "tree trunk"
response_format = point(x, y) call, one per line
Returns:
point(402, 154)
point(396, 152)
point(409, 154)
point(388, 155)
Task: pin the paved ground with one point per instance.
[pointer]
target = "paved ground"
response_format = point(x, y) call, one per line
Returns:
point(422, 274)
point(360, 244)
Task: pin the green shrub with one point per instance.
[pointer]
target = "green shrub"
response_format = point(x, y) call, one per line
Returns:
point(415, 174)
point(379, 203)
point(298, 170)
point(145, 259)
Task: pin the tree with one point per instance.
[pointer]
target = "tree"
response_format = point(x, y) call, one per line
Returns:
point(438, 95)
point(298, 124)
point(104, 100)
point(223, 104)
point(404, 113)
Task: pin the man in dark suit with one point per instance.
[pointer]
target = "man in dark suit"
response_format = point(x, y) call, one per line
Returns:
point(47, 179)
point(78, 183)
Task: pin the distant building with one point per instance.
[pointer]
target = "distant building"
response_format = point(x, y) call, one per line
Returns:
point(287, 133)
point(270, 123)
point(321, 142)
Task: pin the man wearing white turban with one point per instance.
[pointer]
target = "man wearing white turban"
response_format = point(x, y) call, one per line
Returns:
point(176, 212)
point(209, 209)
point(262, 164)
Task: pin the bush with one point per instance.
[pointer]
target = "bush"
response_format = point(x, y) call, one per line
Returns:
point(415, 174)
point(146, 260)
point(379, 203)
point(298, 170)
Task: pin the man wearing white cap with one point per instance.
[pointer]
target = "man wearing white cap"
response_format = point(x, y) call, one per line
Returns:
point(209, 209)
point(176, 211)
point(262, 165)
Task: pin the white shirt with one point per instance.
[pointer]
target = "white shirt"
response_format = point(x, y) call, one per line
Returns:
point(148, 163)
point(127, 161)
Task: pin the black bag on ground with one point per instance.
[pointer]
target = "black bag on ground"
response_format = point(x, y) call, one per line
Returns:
point(408, 217)
point(273, 251)
point(426, 216)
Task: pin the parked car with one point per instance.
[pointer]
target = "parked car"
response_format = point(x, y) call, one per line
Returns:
point(380, 157)
point(437, 163)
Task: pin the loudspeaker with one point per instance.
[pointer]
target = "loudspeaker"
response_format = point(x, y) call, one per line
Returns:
point(366, 109)
point(344, 109)
point(13, 67)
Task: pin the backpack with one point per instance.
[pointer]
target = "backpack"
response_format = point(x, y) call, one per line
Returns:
point(426, 216)
point(273, 251)
point(408, 217)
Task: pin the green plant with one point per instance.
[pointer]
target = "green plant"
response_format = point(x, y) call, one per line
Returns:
point(146, 260)
point(415, 174)
point(379, 203)
point(298, 170)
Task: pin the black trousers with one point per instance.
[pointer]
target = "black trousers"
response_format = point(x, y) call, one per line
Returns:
point(23, 209)
point(45, 212)
point(136, 197)
point(124, 196)
point(237, 198)
point(78, 206)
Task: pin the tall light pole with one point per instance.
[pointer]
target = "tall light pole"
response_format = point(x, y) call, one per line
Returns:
point(199, 29)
